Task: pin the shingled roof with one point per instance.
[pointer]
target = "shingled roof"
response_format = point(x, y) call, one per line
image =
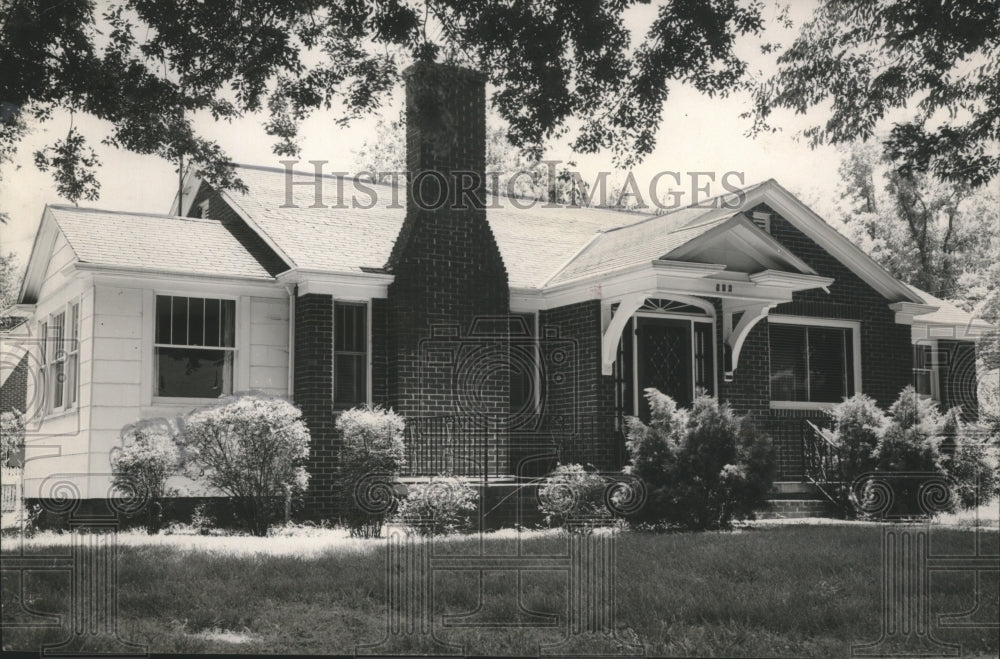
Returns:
point(155, 242)
point(539, 244)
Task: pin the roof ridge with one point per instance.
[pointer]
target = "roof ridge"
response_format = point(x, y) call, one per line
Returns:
point(698, 204)
point(162, 216)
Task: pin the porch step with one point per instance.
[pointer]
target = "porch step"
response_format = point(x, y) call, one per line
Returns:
point(792, 508)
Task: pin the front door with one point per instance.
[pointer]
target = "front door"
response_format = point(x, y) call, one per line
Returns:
point(663, 360)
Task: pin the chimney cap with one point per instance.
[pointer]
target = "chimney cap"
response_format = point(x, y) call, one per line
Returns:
point(423, 67)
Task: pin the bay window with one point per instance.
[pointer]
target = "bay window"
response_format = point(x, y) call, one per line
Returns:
point(814, 362)
point(194, 347)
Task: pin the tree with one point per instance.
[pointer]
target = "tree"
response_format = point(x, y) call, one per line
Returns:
point(939, 236)
point(253, 448)
point(10, 286)
point(937, 62)
point(147, 67)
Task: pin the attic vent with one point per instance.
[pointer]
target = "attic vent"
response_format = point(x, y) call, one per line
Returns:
point(763, 220)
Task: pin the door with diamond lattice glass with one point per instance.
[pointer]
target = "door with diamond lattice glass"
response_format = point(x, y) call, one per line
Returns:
point(663, 360)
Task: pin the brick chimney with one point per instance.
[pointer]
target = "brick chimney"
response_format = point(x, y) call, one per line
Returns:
point(449, 275)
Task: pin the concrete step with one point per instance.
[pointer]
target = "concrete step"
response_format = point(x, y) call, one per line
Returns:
point(797, 508)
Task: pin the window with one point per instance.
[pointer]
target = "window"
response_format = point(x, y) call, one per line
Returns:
point(60, 359)
point(57, 362)
point(194, 347)
point(925, 372)
point(350, 355)
point(812, 363)
point(73, 355)
point(704, 353)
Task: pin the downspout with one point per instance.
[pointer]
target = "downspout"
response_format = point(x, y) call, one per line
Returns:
point(293, 291)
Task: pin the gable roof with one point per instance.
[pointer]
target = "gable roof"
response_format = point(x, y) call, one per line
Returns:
point(541, 245)
point(947, 313)
point(533, 242)
point(142, 241)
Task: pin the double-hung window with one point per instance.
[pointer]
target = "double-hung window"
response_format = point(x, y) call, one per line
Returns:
point(194, 347)
point(814, 362)
point(350, 355)
point(60, 359)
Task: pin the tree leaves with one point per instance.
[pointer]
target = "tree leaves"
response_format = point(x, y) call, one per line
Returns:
point(936, 62)
point(147, 66)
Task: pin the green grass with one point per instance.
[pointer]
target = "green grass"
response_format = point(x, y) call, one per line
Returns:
point(778, 591)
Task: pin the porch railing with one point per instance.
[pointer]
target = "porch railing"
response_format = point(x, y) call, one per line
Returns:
point(822, 461)
point(492, 446)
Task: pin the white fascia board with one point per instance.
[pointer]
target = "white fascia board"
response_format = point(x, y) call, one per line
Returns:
point(359, 286)
point(906, 311)
point(791, 280)
point(686, 269)
point(654, 280)
point(189, 189)
point(196, 284)
point(814, 227)
point(38, 260)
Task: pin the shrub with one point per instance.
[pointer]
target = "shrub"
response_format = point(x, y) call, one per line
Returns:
point(703, 468)
point(858, 425)
point(926, 448)
point(370, 458)
point(11, 437)
point(253, 448)
point(141, 466)
point(572, 493)
point(971, 462)
point(201, 519)
point(442, 505)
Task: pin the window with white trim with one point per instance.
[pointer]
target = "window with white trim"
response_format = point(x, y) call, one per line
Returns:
point(73, 356)
point(350, 355)
point(194, 347)
point(60, 359)
point(926, 378)
point(811, 363)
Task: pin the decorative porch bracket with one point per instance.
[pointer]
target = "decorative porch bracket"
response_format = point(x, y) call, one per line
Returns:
point(733, 337)
point(613, 332)
point(627, 307)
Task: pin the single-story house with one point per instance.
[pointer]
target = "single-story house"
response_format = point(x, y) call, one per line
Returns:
point(497, 330)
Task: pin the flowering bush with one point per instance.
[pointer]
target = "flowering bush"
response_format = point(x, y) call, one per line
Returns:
point(572, 493)
point(253, 448)
point(444, 504)
point(11, 437)
point(371, 455)
point(703, 468)
point(141, 466)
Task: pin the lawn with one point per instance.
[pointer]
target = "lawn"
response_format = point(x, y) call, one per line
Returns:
point(793, 590)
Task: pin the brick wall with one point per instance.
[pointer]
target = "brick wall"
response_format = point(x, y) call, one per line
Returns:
point(14, 391)
point(447, 266)
point(578, 404)
point(313, 393)
point(886, 352)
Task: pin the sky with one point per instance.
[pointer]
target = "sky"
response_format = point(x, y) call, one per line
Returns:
point(698, 134)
